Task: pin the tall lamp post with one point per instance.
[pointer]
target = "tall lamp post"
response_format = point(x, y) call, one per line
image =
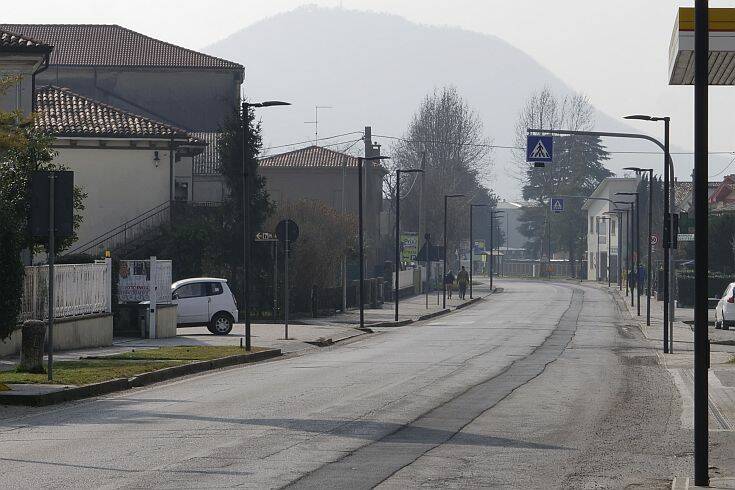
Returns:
point(628, 238)
point(472, 243)
point(494, 214)
point(668, 229)
point(361, 236)
point(246, 234)
point(398, 227)
point(637, 244)
point(638, 171)
point(444, 275)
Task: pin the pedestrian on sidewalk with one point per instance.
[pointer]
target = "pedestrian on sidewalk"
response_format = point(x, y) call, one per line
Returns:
point(463, 279)
point(449, 282)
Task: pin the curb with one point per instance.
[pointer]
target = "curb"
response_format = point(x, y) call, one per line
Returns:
point(122, 384)
point(429, 316)
point(469, 303)
point(400, 323)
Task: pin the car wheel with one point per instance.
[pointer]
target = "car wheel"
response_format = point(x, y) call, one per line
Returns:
point(725, 327)
point(718, 324)
point(221, 324)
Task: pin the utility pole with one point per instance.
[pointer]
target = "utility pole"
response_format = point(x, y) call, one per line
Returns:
point(444, 275)
point(398, 230)
point(701, 333)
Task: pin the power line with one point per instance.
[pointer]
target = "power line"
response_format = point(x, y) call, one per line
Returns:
point(312, 141)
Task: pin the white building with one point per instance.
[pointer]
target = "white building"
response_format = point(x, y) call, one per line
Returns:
point(606, 230)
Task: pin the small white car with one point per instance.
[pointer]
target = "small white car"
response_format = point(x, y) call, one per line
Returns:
point(205, 301)
point(725, 310)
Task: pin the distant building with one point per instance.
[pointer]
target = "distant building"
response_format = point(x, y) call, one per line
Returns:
point(329, 176)
point(604, 237)
point(515, 241)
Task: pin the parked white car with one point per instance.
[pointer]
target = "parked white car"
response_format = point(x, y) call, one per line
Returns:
point(725, 310)
point(205, 301)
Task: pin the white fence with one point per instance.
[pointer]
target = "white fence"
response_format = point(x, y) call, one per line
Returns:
point(79, 289)
point(535, 269)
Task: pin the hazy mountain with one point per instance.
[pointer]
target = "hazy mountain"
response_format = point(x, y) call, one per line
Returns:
point(374, 69)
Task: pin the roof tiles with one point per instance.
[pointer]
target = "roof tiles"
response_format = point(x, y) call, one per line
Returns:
point(62, 112)
point(310, 157)
point(113, 45)
point(10, 41)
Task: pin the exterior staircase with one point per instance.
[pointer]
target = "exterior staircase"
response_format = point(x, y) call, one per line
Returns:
point(130, 236)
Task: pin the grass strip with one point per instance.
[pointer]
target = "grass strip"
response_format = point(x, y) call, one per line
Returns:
point(89, 371)
point(185, 353)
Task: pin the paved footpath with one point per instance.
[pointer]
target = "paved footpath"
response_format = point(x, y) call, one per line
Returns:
point(721, 383)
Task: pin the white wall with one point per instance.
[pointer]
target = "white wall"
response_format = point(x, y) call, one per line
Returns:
point(19, 96)
point(120, 184)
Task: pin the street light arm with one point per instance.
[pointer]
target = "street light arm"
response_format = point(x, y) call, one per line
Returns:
point(603, 134)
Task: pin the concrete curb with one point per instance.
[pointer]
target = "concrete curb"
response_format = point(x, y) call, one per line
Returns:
point(122, 384)
point(435, 314)
point(469, 303)
point(400, 323)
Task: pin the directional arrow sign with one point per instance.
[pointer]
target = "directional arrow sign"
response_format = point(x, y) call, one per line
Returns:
point(557, 204)
point(539, 149)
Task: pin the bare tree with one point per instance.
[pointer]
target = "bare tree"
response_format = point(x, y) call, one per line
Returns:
point(446, 136)
point(578, 168)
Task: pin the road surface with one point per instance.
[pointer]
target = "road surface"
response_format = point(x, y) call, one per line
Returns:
point(545, 385)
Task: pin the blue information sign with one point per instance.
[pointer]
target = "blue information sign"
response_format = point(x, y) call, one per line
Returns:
point(557, 204)
point(539, 149)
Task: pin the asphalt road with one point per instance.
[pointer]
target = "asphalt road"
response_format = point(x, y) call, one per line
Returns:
point(541, 386)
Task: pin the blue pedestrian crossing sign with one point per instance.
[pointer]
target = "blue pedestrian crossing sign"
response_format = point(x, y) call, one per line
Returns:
point(539, 149)
point(557, 204)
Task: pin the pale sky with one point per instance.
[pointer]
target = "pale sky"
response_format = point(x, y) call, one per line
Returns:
point(570, 37)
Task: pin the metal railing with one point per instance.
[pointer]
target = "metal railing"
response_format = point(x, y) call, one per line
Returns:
point(127, 233)
point(79, 289)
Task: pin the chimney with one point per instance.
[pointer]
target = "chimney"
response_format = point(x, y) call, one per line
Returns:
point(371, 149)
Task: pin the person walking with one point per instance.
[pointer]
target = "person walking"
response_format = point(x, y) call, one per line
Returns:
point(463, 279)
point(449, 283)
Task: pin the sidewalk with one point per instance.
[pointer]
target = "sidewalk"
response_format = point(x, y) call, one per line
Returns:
point(409, 309)
point(304, 337)
point(721, 380)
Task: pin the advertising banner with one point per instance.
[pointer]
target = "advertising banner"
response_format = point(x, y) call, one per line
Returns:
point(409, 246)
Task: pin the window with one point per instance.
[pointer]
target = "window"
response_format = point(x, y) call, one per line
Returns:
point(592, 225)
point(181, 191)
point(592, 260)
point(193, 290)
point(613, 225)
point(215, 289)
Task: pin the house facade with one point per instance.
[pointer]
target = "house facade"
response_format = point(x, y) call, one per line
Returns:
point(329, 176)
point(127, 165)
point(607, 234)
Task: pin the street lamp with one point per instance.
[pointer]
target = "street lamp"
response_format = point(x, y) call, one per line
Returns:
point(637, 245)
point(361, 239)
point(246, 235)
point(628, 238)
point(472, 243)
point(398, 226)
point(668, 229)
point(495, 213)
point(444, 275)
point(638, 171)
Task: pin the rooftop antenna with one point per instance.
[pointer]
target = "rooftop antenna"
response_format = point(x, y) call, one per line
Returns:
point(315, 122)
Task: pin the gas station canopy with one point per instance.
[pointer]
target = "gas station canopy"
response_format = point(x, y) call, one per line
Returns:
point(721, 47)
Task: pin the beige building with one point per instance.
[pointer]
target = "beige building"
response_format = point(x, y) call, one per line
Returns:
point(130, 167)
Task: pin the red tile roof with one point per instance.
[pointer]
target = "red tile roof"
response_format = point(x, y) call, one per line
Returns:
point(113, 45)
point(207, 162)
point(10, 41)
point(310, 157)
point(62, 112)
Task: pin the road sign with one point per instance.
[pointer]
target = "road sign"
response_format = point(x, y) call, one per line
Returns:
point(291, 226)
point(264, 236)
point(654, 240)
point(685, 237)
point(539, 149)
point(557, 204)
